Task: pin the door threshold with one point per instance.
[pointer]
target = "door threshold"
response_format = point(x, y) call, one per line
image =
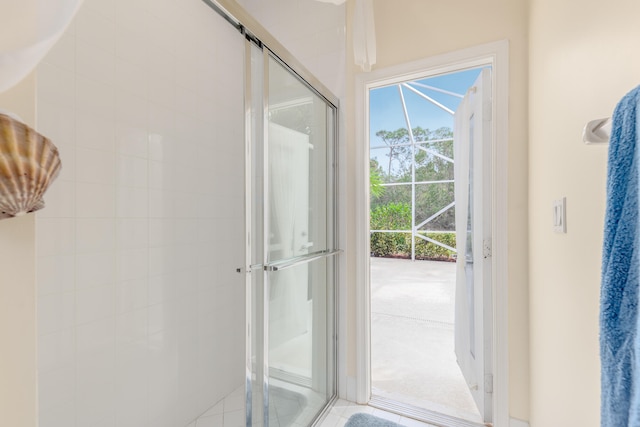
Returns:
point(421, 414)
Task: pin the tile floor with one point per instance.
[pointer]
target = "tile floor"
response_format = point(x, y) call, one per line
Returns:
point(343, 409)
point(229, 412)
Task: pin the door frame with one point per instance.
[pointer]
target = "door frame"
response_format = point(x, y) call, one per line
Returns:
point(496, 55)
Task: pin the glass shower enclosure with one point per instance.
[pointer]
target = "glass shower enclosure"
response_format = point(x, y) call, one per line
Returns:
point(291, 244)
point(290, 232)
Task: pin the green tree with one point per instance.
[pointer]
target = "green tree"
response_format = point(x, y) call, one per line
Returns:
point(398, 154)
point(392, 216)
point(376, 189)
point(432, 161)
point(433, 164)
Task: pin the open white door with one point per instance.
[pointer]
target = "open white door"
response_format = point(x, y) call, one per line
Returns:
point(473, 318)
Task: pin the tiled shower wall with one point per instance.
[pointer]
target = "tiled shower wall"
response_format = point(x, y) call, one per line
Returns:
point(140, 311)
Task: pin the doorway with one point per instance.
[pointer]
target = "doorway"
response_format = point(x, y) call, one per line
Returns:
point(414, 245)
point(476, 279)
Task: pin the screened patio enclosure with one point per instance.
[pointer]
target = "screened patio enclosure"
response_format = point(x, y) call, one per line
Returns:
point(412, 202)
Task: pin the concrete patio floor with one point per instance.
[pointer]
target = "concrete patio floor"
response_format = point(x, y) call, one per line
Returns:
point(412, 318)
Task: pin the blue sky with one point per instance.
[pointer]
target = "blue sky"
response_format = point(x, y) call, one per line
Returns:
point(385, 107)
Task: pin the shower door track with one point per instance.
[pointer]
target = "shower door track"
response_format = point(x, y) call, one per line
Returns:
point(255, 32)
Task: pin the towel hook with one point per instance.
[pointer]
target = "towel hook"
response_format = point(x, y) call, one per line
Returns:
point(597, 131)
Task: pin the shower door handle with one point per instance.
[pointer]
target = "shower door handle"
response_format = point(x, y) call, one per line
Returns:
point(302, 259)
point(249, 270)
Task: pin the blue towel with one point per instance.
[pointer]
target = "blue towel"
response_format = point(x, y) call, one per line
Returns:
point(619, 339)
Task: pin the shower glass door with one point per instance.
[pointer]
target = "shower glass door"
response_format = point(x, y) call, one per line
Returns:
point(291, 357)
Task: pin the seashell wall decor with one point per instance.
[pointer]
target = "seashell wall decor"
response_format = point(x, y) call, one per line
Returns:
point(29, 162)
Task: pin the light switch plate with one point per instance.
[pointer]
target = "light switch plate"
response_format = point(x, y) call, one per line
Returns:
point(560, 215)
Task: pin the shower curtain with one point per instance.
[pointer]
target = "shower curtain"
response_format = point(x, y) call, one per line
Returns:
point(289, 189)
point(28, 29)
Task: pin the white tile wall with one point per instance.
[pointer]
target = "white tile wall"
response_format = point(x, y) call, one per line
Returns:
point(140, 311)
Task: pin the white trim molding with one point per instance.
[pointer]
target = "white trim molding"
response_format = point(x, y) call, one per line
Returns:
point(351, 389)
point(496, 55)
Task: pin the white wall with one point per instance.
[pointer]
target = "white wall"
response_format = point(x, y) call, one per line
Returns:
point(583, 60)
point(313, 31)
point(408, 30)
point(140, 311)
point(18, 388)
